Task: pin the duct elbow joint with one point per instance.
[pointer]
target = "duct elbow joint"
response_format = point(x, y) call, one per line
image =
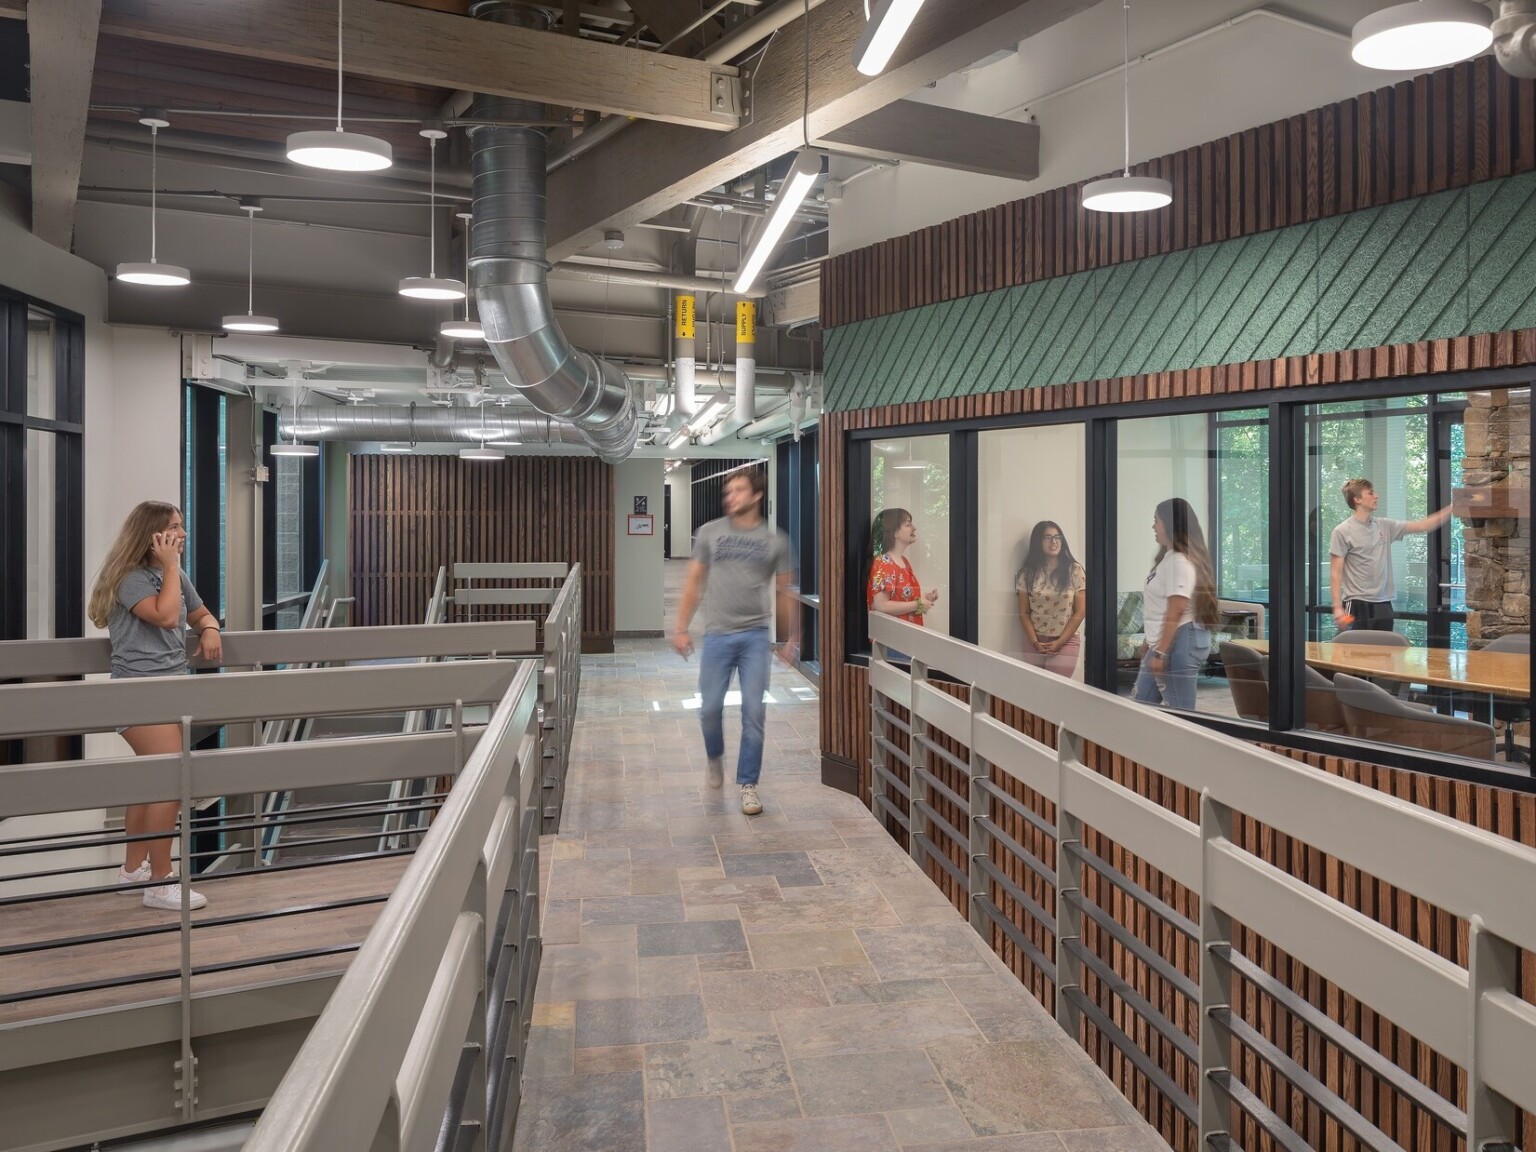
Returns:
point(1514, 38)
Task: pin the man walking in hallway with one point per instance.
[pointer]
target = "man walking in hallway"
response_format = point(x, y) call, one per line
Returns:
point(738, 561)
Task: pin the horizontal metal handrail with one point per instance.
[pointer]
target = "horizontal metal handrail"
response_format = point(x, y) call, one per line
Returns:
point(34, 789)
point(20, 659)
point(496, 571)
point(373, 1065)
point(504, 597)
point(1471, 1016)
point(98, 705)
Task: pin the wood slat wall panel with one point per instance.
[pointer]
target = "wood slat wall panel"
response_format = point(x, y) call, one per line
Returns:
point(409, 515)
point(1447, 129)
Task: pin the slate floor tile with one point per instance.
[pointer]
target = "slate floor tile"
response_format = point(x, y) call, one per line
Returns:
point(581, 1113)
point(691, 939)
point(696, 1124)
point(865, 1082)
point(1019, 1086)
point(643, 1020)
point(824, 1134)
point(752, 1064)
point(791, 869)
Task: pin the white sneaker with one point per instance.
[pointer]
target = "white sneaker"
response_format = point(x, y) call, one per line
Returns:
point(140, 875)
point(167, 896)
point(750, 804)
point(716, 772)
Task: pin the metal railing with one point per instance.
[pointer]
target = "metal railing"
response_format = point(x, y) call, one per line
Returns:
point(946, 773)
point(421, 1043)
point(261, 1002)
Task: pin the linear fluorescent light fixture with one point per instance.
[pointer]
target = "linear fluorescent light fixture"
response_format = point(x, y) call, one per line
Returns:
point(1422, 35)
point(706, 415)
point(792, 192)
point(679, 438)
point(283, 448)
point(886, 25)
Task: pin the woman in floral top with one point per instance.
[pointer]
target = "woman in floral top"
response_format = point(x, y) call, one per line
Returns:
point(1053, 597)
point(893, 586)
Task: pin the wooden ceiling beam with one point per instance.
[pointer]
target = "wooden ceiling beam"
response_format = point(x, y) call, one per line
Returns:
point(62, 35)
point(943, 137)
point(415, 45)
point(649, 168)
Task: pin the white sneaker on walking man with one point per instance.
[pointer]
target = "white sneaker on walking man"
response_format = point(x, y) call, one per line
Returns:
point(738, 562)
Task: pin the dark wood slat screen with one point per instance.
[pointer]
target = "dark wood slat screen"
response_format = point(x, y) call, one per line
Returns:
point(411, 514)
point(1448, 129)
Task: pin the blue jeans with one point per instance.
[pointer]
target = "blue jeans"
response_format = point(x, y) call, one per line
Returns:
point(1175, 686)
point(748, 653)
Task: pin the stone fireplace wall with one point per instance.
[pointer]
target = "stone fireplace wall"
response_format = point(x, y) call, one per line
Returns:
point(1498, 549)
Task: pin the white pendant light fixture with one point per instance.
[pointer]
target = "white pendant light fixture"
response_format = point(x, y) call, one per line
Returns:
point(339, 150)
point(1421, 35)
point(481, 454)
point(432, 286)
point(153, 273)
point(396, 449)
point(1127, 193)
point(293, 447)
point(883, 30)
point(793, 190)
point(250, 322)
point(465, 329)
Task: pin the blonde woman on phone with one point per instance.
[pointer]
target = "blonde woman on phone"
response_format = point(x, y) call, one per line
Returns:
point(146, 603)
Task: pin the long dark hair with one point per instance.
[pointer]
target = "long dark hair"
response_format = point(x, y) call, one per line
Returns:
point(1034, 560)
point(882, 533)
point(1182, 528)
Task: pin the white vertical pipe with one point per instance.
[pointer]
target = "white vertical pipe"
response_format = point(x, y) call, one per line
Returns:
point(746, 362)
point(683, 355)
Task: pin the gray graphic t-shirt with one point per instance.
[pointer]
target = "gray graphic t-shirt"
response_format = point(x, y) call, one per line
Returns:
point(139, 648)
point(1366, 549)
point(742, 565)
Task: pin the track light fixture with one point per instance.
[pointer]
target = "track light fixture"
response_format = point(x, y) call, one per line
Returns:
point(883, 30)
point(1421, 35)
point(154, 273)
point(1127, 193)
point(339, 150)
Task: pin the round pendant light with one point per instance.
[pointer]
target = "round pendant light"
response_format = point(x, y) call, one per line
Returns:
point(481, 454)
point(153, 273)
point(1127, 193)
point(465, 329)
point(1421, 35)
point(250, 322)
point(432, 286)
point(339, 150)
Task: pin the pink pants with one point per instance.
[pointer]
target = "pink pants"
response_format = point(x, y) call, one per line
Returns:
point(1063, 662)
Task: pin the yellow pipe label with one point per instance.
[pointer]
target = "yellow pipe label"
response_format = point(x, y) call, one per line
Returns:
point(746, 322)
point(685, 305)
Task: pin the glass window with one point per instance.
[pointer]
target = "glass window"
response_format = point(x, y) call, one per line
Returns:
point(1192, 580)
point(1419, 572)
point(289, 475)
point(41, 533)
point(908, 551)
point(1031, 548)
point(42, 374)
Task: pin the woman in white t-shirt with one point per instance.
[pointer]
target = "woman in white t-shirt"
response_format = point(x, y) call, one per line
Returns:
point(1178, 608)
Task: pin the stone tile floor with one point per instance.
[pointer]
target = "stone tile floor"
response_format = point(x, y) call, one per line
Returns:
point(781, 983)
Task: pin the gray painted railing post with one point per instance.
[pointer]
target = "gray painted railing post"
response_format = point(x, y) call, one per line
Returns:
point(879, 731)
point(981, 807)
point(187, 1065)
point(1493, 967)
point(1069, 883)
point(1215, 976)
point(917, 764)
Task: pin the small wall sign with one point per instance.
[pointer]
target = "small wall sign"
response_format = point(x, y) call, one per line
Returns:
point(642, 525)
point(642, 503)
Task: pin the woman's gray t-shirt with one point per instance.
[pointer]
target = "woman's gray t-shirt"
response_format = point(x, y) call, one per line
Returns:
point(140, 648)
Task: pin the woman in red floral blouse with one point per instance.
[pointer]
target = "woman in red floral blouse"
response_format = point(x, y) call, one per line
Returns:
point(893, 586)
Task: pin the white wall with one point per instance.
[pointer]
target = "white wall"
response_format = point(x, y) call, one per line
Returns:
point(680, 482)
point(1026, 475)
point(1237, 77)
point(638, 559)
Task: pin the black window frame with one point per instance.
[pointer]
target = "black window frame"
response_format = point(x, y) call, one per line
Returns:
point(1288, 468)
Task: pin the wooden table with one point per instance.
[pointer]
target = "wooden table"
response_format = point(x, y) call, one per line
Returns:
point(1503, 674)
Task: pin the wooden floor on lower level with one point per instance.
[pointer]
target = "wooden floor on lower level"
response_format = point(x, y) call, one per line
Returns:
point(300, 903)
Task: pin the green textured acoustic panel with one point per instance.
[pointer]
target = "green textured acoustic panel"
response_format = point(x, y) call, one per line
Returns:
point(1453, 264)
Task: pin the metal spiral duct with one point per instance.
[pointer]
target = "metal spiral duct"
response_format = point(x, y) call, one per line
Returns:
point(509, 268)
point(409, 424)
